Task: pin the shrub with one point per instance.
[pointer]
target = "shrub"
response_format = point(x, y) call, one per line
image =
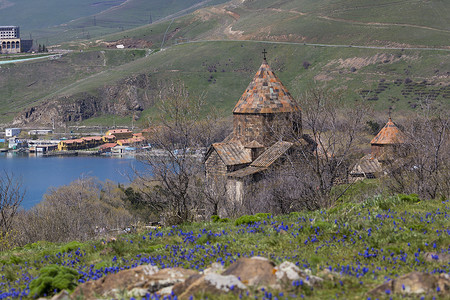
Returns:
point(217, 219)
point(74, 245)
point(264, 215)
point(246, 219)
point(411, 198)
point(52, 279)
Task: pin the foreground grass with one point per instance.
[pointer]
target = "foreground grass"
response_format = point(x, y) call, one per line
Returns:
point(365, 243)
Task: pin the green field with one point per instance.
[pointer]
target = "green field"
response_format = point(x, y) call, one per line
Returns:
point(222, 70)
point(354, 246)
point(217, 50)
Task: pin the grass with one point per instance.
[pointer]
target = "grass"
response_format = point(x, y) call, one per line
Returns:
point(365, 243)
point(222, 70)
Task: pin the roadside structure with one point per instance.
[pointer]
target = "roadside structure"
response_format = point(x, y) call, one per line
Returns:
point(266, 127)
point(383, 148)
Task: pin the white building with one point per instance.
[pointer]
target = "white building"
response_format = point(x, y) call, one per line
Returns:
point(40, 132)
point(10, 132)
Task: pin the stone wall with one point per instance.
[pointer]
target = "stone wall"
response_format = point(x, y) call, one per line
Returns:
point(215, 167)
point(266, 129)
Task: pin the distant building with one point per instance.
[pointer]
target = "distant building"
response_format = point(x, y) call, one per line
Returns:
point(40, 132)
point(10, 132)
point(253, 149)
point(120, 134)
point(9, 32)
point(383, 147)
point(10, 41)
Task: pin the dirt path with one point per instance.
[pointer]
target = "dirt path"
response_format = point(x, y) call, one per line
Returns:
point(381, 24)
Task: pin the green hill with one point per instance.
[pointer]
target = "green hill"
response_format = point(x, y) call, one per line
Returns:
point(354, 247)
point(52, 21)
point(385, 58)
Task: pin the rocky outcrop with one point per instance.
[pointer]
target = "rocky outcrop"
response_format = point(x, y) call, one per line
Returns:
point(255, 272)
point(415, 283)
point(135, 282)
point(127, 97)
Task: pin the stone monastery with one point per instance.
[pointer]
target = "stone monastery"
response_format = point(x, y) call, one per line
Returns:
point(266, 126)
point(383, 147)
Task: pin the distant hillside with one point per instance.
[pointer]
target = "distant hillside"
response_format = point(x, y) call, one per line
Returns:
point(54, 21)
point(217, 50)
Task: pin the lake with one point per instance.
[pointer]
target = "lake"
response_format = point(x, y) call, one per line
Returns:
point(39, 173)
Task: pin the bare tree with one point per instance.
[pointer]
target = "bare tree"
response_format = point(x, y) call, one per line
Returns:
point(308, 174)
point(11, 196)
point(422, 164)
point(175, 185)
point(74, 212)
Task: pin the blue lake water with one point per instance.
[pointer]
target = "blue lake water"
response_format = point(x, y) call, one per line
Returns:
point(39, 173)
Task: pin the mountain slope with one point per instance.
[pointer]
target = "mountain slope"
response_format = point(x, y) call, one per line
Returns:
point(217, 50)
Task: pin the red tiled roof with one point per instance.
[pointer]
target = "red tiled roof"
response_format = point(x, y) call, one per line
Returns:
point(265, 95)
point(366, 165)
point(254, 144)
point(389, 134)
point(269, 156)
point(107, 145)
point(245, 172)
point(112, 131)
point(233, 153)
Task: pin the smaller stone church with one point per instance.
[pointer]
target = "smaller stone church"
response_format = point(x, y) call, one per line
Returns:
point(266, 127)
point(383, 147)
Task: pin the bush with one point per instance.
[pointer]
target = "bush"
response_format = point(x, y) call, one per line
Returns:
point(246, 219)
point(411, 198)
point(217, 219)
point(52, 279)
point(263, 215)
point(74, 245)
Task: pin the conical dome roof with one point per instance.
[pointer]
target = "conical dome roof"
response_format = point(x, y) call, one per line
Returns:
point(389, 134)
point(265, 95)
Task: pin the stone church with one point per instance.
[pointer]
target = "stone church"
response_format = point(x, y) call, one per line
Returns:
point(266, 127)
point(383, 147)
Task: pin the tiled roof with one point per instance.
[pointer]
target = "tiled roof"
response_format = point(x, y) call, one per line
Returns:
point(233, 153)
point(366, 165)
point(266, 95)
point(112, 131)
point(269, 156)
point(389, 134)
point(254, 144)
point(245, 172)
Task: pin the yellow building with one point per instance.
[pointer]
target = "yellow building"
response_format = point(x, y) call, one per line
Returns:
point(120, 134)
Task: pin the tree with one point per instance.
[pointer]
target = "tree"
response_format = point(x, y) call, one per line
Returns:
point(183, 130)
point(308, 174)
point(77, 211)
point(11, 196)
point(422, 163)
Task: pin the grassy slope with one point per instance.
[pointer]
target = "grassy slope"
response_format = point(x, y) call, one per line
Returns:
point(53, 21)
point(365, 243)
point(301, 20)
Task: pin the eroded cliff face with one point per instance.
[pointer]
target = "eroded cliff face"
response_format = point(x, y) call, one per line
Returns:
point(127, 97)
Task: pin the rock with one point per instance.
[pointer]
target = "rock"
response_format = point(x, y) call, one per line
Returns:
point(214, 268)
point(441, 257)
point(209, 283)
point(255, 271)
point(135, 282)
point(415, 283)
point(288, 272)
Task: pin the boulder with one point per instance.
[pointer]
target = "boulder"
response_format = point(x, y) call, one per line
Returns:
point(287, 272)
point(134, 282)
point(255, 271)
point(212, 283)
point(440, 257)
point(415, 283)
